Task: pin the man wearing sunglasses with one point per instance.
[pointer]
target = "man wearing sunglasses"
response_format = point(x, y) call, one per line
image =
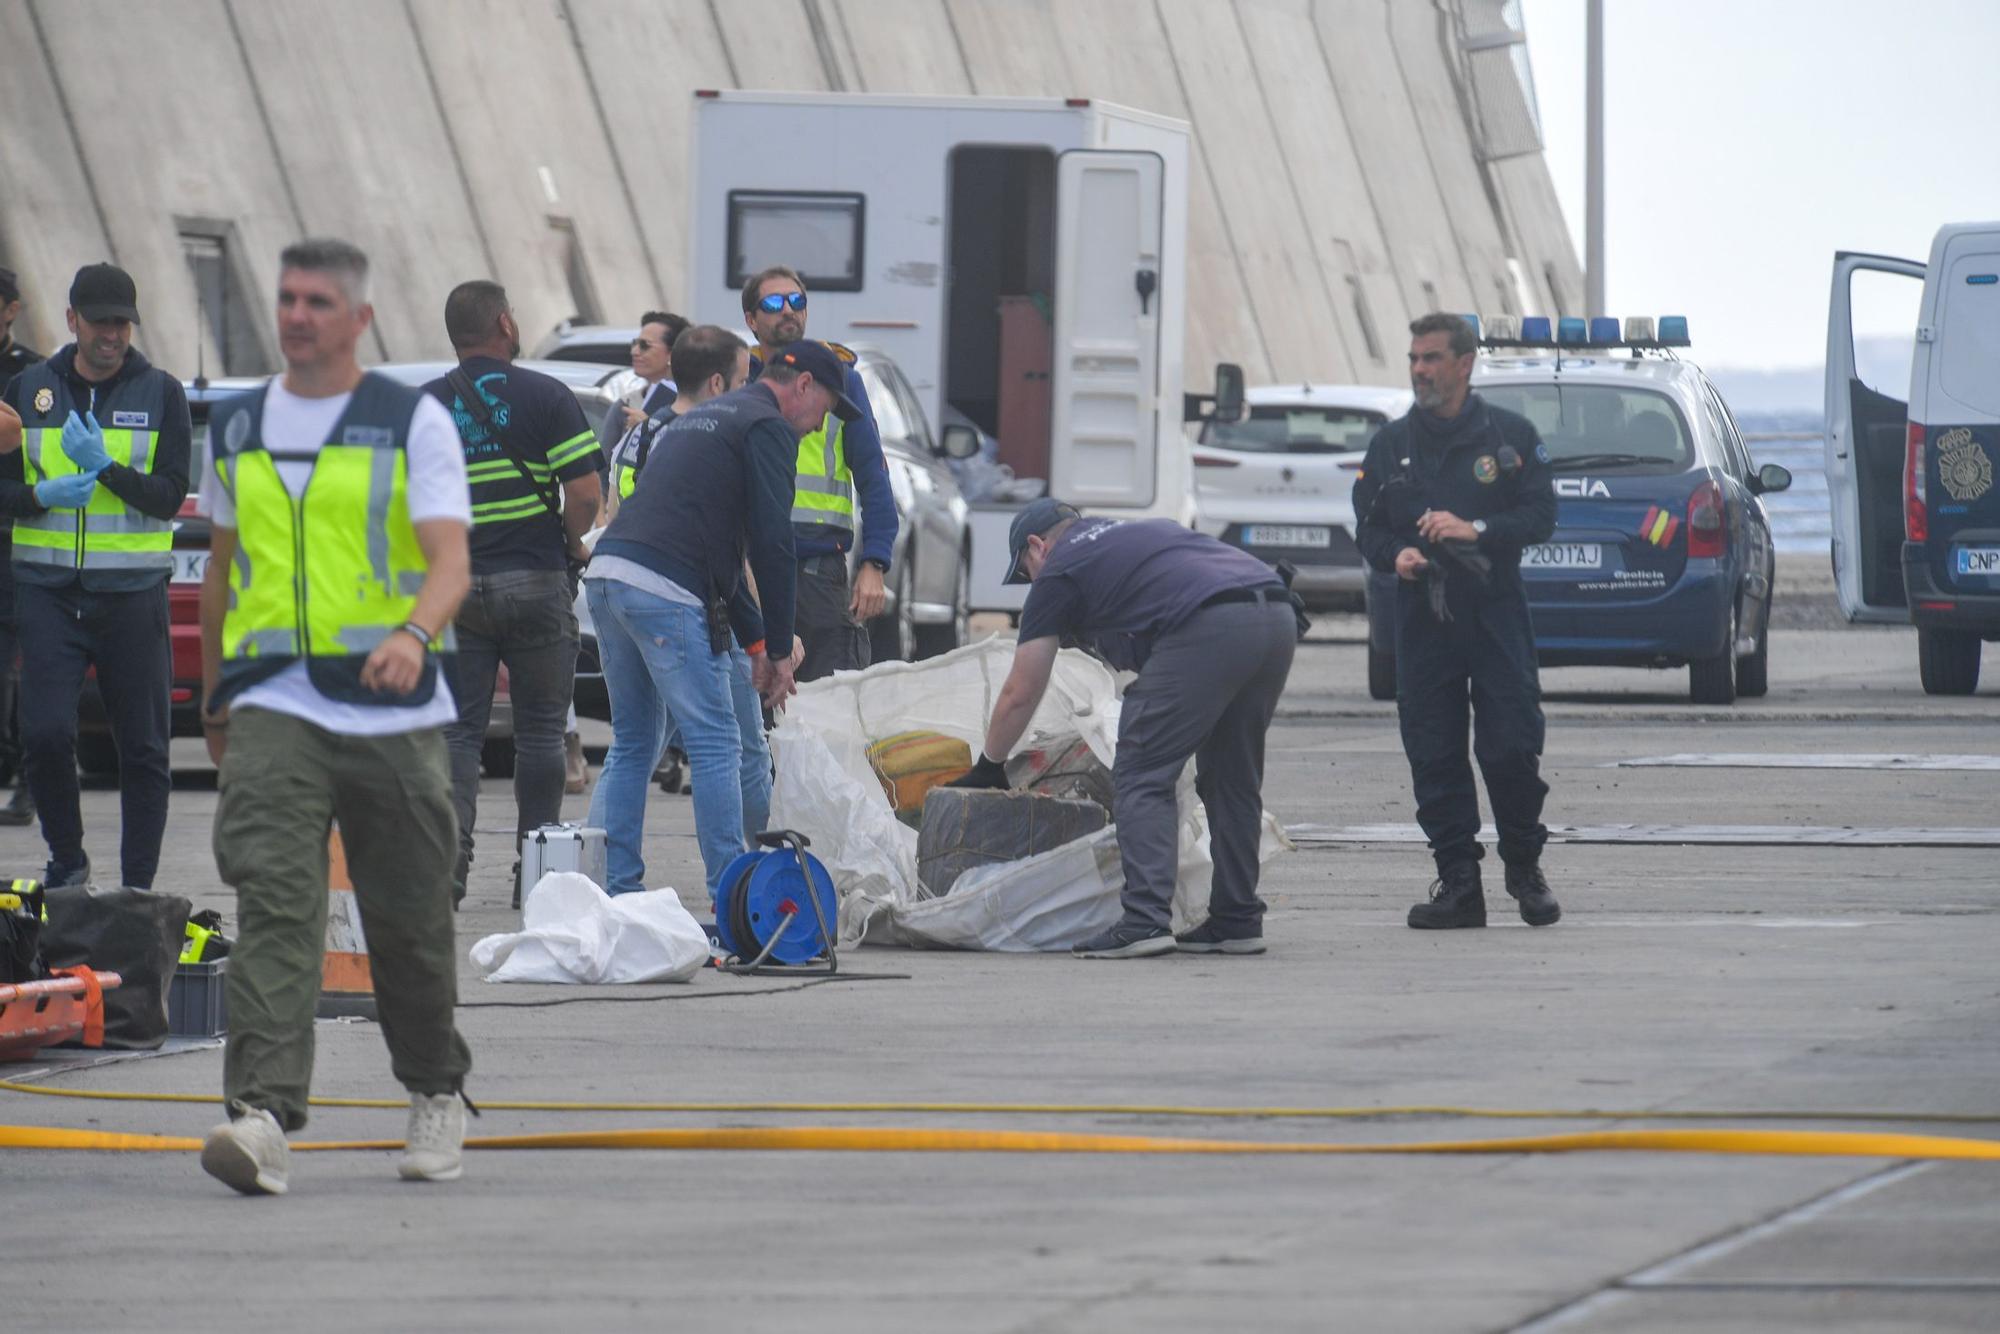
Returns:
point(653, 363)
point(836, 463)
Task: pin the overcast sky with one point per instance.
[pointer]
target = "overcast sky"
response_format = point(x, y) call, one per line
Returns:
point(1747, 140)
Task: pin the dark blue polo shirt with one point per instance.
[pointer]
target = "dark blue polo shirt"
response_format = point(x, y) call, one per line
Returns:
point(1118, 585)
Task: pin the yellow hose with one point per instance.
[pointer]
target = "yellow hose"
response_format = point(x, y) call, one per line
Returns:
point(1839, 1144)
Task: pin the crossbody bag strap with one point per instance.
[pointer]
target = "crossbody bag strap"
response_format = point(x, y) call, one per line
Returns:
point(475, 403)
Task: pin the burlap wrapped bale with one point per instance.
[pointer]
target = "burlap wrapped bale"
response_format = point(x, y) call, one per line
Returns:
point(965, 828)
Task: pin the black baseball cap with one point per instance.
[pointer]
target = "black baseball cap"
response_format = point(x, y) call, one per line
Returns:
point(827, 370)
point(104, 292)
point(1034, 520)
point(10, 286)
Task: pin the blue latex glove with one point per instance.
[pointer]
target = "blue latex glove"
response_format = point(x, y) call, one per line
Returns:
point(83, 441)
point(66, 493)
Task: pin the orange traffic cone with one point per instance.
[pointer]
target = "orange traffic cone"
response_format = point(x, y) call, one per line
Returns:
point(346, 985)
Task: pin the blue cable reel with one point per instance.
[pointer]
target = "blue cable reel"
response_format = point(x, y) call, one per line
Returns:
point(776, 905)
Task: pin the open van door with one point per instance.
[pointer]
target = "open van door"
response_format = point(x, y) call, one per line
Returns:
point(1867, 413)
point(1104, 431)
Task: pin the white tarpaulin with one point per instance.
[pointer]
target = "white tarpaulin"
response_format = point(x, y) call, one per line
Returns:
point(572, 931)
point(826, 790)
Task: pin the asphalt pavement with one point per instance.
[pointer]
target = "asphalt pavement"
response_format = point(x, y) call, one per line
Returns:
point(1775, 977)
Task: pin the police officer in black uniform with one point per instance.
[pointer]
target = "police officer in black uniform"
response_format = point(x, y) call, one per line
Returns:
point(1448, 497)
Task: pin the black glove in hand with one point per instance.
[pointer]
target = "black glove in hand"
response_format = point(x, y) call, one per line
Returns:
point(986, 773)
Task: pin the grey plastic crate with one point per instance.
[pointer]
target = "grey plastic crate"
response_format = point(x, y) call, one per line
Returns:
point(197, 1000)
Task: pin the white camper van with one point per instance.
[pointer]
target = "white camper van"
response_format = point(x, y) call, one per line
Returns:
point(1020, 259)
point(1916, 516)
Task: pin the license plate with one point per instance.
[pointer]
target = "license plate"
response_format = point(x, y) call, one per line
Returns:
point(1564, 556)
point(1979, 560)
point(1287, 535)
point(190, 566)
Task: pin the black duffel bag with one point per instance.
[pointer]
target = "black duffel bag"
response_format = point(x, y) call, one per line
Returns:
point(134, 933)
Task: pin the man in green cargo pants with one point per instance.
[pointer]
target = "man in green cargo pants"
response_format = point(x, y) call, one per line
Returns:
point(339, 557)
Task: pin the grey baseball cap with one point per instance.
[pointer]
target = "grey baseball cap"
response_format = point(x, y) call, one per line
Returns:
point(1035, 519)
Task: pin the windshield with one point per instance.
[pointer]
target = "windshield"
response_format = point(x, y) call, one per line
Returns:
point(1276, 429)
point(1602, 426)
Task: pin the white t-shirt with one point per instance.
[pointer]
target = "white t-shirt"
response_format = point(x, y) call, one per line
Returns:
point(438, 490)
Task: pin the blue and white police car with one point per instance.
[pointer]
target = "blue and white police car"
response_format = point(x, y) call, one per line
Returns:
point(1662, 552)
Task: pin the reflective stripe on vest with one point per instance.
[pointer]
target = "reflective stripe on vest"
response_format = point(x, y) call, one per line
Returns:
point(107, 534)
point(824, 494)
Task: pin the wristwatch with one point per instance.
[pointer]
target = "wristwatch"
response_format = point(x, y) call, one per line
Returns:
point(877, 562)
point(1479, 527)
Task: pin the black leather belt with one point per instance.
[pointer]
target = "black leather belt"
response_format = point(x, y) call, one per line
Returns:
point(1267, 593)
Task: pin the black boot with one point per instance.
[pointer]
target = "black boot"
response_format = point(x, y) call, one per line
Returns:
point(1538, 906)
point(20, 810)
point(1456, 900)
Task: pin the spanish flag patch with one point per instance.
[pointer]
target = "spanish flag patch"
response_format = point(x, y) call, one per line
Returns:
point(1659, 527)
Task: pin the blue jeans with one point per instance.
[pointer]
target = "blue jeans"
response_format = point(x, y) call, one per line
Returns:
point(657, 665)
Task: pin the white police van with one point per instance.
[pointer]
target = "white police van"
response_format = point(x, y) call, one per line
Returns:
point(1916, 516)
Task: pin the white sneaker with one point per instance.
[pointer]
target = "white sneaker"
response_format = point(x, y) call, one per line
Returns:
point(249, 1154)
point(434, 1148)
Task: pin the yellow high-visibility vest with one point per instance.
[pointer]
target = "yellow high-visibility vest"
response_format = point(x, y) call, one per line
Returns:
point(330, 573)
point(107, 534)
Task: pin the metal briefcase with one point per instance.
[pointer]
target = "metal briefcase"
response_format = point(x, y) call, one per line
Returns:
point(560, 847)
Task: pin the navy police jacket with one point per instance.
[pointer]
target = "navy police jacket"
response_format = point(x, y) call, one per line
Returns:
point(1485, 463)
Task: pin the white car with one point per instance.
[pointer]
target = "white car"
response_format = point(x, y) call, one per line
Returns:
point(1279, 481)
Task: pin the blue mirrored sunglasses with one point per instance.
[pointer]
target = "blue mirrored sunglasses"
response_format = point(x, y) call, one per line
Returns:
point(777, 301)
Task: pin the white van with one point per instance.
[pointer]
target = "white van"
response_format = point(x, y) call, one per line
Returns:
point(1022, 260)
point(1916, 516)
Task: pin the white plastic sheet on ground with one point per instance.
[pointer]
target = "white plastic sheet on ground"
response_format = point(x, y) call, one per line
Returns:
point(572, 931)
point(826, 790)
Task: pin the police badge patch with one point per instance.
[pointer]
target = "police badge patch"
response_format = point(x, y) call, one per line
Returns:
point(1963, 466)
point(1486, 468)
point(45, 398)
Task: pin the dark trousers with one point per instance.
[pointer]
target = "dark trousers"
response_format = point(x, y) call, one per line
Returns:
point(10, 690)
point(1482, 660)
point(525, 619)
point(834, 640)
point(284, 784)
point(65, 631)
point(1208, 690)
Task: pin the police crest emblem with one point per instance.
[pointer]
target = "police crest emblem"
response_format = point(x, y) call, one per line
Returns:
point(45, 398)
point(1963, 466)
point(1486, 468)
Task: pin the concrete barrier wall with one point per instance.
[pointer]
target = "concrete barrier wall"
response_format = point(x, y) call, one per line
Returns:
point(1335, 190)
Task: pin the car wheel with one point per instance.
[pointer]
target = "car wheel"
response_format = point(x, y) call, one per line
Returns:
point(1713, 680)
point(496, 758)
point(931, 640)
point(893, 637)
point(1753, 673)
point(97, 757)
point(1381, 673)
point(1948, 661)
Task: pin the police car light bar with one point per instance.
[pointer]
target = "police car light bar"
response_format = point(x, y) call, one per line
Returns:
point(1639, 331)
point(1571, 331)
point(1472, 320)
point(1515, 331)
point(1674, 331)
point(1603, 331)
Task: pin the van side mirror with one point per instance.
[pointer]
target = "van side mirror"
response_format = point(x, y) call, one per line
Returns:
point(959, 441)
point(1772, 477)
point(1228, 392)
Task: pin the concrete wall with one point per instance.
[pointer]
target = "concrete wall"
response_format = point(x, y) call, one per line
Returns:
point(1335, 185)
